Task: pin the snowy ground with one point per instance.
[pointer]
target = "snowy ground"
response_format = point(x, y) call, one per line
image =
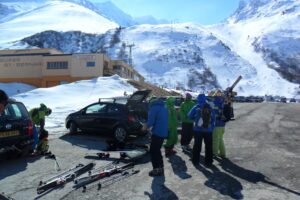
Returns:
point(65, 99)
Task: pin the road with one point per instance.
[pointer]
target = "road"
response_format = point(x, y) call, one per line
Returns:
point(263, 162)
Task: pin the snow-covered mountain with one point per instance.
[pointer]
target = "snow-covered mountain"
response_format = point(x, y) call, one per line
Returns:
point(189, 53)
point(260, 41)
point(36, 16)
point(112, 12)
point(267, 34)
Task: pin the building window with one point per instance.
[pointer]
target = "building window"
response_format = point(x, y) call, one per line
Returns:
point(63, 82)
point(57, 65)
point(117, 67)
point(91, 64)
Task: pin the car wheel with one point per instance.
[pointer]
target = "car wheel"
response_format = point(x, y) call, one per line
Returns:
point(73, 128)
point(120, 134)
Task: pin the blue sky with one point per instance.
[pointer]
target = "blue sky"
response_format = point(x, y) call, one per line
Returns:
point(199, 11)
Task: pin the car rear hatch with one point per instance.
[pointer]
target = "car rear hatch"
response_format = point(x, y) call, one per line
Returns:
point(137, 106)
point(15, 127)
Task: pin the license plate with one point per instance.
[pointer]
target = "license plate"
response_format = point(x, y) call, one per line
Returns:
point(8, 134)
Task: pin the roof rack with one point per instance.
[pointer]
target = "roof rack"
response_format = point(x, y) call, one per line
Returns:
point(113, 98)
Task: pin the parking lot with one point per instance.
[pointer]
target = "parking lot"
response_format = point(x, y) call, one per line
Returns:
point(262, 163)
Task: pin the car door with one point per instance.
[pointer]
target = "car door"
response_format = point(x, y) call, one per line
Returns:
point(92, 117)
point(114, 116)
point(137, 105)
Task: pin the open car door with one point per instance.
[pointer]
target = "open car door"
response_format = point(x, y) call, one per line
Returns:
point(137, 106)
point(137, 98)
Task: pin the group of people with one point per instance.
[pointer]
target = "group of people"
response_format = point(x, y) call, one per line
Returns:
point(201, 120)
point(37, 115)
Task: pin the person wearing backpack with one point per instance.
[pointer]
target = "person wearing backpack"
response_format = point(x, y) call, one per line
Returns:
point(218, 132)
point(187, 124)
point(204, 123)
point(172, 127)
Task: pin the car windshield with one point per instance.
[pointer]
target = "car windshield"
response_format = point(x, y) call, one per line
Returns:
point(14, 111)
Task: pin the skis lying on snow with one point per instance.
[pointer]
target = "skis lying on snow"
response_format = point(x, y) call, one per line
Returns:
point(102, 173)
point(132, 154)
point(63, 177)
point(5, 197)
point(114, 178)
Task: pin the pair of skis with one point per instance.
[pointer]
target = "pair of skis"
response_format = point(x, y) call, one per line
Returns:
point(5, 197)
point(113, 179)
point(63, 177)
point(103, 173)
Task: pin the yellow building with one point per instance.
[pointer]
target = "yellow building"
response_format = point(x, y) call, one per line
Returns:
point(50, 67)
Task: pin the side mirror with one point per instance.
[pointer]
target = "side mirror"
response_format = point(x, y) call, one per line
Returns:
point(82, 112)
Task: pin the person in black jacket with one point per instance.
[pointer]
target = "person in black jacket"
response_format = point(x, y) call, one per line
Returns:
point(3, 101)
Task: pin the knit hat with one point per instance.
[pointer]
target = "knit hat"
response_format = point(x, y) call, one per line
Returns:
point(188, 95)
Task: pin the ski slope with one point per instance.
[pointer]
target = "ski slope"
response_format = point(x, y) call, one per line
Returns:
point(53, 15)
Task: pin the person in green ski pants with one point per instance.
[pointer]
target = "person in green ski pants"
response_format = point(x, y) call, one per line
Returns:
point(172, 128)
point(218, 133)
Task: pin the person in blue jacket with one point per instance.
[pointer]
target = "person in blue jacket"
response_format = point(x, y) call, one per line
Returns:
point(157, 124)
point(204, 122)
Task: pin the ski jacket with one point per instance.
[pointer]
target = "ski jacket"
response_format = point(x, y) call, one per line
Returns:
point(38, 114)
point(158, 118)
point(218, 109)
point(172, 115)
point(185, 108)
point(195, 114)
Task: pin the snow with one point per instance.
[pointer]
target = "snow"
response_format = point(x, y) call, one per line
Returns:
point(240, 31)
point(184, 45)
point(68, 98)
point(15, 88)
point(53, 15)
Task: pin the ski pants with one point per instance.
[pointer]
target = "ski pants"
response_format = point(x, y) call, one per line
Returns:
point(198, 137)
point(35, 137)
point(172, 138)
point(218, 142)
point(43, 146)
point(186, 133)
point(155, 151)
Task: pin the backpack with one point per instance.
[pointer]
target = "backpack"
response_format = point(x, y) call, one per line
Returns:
point(227, 112)
point(205, 117)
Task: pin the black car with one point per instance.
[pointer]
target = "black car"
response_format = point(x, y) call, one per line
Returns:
point(118, 116)
point(16, 129)
point(283, 100)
